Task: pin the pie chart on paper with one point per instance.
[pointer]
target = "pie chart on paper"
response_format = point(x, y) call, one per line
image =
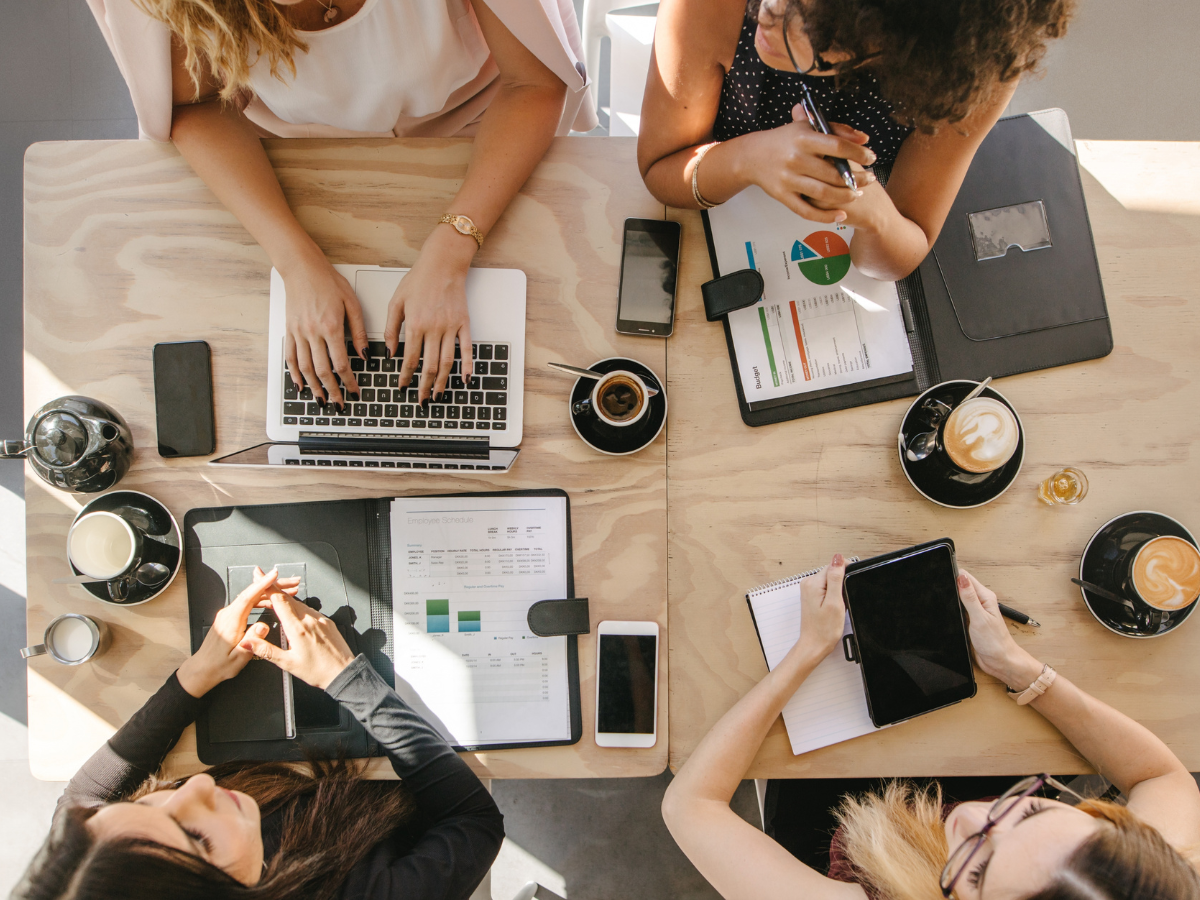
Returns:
point(823, 257)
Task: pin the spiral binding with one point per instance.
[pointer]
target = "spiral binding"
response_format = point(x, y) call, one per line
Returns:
point(790, 580)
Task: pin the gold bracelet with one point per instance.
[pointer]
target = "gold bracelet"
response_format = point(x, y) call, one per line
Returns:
point(463, 225)
point(700, 201)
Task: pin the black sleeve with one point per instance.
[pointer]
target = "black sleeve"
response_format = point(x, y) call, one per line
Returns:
point(137, 750)
point(465, 830)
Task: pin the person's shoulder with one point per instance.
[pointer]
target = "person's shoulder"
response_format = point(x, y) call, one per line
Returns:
point(708, 28)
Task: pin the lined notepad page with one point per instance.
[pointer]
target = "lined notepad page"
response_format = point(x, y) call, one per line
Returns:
point(830, 706)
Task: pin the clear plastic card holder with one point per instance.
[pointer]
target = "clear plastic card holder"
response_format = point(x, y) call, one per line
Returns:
point(1023, 225)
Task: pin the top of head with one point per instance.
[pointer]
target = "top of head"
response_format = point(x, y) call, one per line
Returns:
point(1166, 572)
point(981, 434)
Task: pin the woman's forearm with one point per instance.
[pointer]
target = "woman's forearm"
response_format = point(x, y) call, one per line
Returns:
point(221, 146)
point(1123, 751)
point(886, 246)
point(718, 764)
point(724, 172)
point(513, 137)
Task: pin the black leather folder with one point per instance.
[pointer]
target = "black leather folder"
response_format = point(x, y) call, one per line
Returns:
point(346, 547)
point(980, 303)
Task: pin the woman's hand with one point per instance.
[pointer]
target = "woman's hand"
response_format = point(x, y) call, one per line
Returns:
point(319, 302)
point(431, 302)
point(823, 612)
point(316, 652)
point(789, 164)
point(995, 650)
point(221, 655)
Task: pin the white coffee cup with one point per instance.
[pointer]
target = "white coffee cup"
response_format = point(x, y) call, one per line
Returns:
point(71, 640)
point(601, 401)
point(103, 545)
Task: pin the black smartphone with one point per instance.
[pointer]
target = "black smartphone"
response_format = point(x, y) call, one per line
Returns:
point(183, 399)
point(910, 631)
point(649, 264)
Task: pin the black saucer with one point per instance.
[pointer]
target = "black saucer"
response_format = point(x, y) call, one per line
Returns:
point(1104, 563)
point(934, 477)
point(161, 544)
point(606, 438)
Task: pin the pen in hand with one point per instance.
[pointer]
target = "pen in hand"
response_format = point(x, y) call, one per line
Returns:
point(1017, 616)
point(816, 119)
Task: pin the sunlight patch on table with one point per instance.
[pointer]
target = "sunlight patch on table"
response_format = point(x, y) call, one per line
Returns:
point(1147, 176)
point(63, 732)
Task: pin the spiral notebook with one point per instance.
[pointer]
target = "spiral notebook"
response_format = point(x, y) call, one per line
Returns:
point(831, 705)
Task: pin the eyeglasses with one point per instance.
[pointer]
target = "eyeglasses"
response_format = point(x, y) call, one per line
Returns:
point(820, 63)
point(961, 858)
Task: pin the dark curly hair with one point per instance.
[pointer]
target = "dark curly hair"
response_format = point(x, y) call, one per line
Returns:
point(935, 60)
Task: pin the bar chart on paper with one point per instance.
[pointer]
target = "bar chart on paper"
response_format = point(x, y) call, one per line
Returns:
point(464, 573)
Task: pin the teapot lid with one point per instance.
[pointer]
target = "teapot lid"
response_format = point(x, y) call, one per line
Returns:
point(60, 438)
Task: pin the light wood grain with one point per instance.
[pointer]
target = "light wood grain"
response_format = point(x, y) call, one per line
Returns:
point(749, 505)
point(125, 247)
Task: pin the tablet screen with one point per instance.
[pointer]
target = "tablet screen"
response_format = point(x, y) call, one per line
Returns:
point(911, 633)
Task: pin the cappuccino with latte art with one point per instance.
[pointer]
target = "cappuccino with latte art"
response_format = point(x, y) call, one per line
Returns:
point(981, 435)
point(1165, 572)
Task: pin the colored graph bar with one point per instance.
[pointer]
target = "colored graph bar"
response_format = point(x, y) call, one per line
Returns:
point(437, 616)
point(750, 254)
point(468, 620)
point(800, 343)
point(762, 318)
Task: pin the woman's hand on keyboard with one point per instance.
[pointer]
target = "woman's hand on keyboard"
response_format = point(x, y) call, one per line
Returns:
point(319, 303)
point(431, 302)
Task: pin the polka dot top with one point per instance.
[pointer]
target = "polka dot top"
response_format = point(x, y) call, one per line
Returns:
point(756, 97)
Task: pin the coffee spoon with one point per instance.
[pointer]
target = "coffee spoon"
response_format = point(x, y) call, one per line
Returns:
point(978, 390)
point(148, 574)
point(588, 373)
point(921, 446)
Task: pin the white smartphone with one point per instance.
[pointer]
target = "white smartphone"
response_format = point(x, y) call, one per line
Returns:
point(627, 684)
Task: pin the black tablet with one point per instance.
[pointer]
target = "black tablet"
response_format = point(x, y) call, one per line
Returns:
point(909, 631)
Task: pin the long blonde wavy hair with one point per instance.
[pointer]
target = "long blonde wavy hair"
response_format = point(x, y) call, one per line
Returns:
point(896, 844)
point(227, 36)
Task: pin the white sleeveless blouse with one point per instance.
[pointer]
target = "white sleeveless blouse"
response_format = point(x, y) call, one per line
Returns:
point(391, 61)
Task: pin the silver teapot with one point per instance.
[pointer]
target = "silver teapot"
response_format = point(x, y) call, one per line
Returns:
point(76, 444)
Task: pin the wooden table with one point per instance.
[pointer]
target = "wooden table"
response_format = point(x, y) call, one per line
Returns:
point(749, 505)
point(125, 247)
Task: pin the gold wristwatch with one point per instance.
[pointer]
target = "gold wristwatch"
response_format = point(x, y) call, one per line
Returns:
point(463, 225)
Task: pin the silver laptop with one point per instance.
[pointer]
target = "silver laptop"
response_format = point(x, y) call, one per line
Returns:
point(475, 427)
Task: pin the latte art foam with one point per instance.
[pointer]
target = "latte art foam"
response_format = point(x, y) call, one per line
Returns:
point(1166, 573)
point(981, 435)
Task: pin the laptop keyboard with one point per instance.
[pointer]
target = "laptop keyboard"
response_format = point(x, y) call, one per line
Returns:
point(386, 405)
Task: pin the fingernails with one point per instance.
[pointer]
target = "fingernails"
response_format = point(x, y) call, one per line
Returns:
point(872, 156)
point(858, 193)
point(387, 352)
point(838, 559)
point(425, 402)
point(840, 217)
point(964, 581)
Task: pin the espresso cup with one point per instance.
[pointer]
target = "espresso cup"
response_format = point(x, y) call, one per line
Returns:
point(71, 640)
point(104, 545)
point(619, 399)
point(1164, 572)
point(980, 435)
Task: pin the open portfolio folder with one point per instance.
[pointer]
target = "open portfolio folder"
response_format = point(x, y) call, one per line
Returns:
point(821, 324)
point(435, 591)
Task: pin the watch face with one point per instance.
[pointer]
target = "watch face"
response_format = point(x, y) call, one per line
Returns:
point(462, 226)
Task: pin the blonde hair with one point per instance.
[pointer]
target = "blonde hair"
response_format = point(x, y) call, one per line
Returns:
point(896, 844)
point(225, 34)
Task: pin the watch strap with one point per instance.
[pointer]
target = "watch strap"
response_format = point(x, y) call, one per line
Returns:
point(1040, 685)
point(549, 618)
point(454, 220)
point(731, 292)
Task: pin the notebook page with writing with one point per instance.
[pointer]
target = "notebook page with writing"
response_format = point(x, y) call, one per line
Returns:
point(830, 706)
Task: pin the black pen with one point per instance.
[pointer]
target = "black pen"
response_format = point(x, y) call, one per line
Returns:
point(816, 119)
point(1017, 616)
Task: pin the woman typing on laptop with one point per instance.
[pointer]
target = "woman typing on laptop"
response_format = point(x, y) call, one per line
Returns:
point(269, 830)
point(215, 77)
point(909, 85)
point(900, 843)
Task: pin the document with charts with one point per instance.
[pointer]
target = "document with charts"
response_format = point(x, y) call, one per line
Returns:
point(465, 571)
point(821, 323)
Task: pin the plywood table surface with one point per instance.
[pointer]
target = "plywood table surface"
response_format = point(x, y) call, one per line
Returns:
point(751, 505)
point(125, 247)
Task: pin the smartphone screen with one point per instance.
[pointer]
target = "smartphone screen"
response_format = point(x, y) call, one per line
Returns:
point(625, 697)
point(183, 399)
point(911, 633)
point(649, 263)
